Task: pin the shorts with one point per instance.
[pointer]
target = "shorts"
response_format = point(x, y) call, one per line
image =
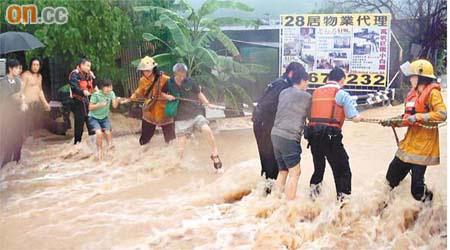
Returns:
point(287, 152)
point(187, 127)
point(97, 124)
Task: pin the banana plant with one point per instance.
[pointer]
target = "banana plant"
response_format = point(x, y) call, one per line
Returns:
point(230, 76)
point(191, 34)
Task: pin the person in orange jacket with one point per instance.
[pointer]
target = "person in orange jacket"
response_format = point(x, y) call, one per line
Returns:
point(331, 105)
point(424, 108)
point(150, 87)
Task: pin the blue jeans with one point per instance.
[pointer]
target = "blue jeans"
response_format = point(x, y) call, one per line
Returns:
point(97, 124)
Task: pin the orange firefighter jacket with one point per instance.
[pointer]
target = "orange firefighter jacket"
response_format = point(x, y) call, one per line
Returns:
point(421, 145)
point(154, 114)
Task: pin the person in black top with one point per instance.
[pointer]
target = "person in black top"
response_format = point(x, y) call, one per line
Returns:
point(190, 112)
point(264, 117)
point(81, 83)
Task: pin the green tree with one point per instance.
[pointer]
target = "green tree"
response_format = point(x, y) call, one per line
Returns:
point(96, 29)
point(420, 22)
point(143, 22)
point(191, 34)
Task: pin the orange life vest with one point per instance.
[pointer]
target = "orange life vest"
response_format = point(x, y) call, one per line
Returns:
point(418, 103)
point(324, 110)
point(85, 83)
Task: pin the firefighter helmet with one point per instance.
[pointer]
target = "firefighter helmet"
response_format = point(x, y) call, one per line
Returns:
point(147, 63)
point(419, 67)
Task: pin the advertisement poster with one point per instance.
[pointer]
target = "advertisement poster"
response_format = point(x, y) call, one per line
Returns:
point(357, 43)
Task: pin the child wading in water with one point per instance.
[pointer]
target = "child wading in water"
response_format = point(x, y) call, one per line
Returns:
point(99, 113)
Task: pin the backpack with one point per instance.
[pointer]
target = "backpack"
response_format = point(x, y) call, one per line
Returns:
point(266, 108)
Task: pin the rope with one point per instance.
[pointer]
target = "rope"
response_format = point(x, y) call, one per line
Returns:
point(378, 121)
point(141, 100)
point(225, 109)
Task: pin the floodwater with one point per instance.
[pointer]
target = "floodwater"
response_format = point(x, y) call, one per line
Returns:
point(60, 197)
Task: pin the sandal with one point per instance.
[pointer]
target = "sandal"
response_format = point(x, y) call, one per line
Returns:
point(217, 165)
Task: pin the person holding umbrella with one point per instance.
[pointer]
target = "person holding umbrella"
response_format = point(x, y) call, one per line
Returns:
point(13, 41)
point(12, 104)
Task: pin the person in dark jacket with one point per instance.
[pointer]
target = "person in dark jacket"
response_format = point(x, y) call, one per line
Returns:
point(190, 116)
point(81, 84)
point(264, 117)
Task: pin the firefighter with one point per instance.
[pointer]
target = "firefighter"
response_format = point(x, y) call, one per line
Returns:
point(151, 83)
point(424, 107)
point(330, 106)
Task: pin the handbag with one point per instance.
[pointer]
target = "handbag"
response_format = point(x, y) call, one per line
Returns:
point(171, 107)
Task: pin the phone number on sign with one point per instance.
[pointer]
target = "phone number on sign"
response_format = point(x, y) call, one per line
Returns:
point(352, 79)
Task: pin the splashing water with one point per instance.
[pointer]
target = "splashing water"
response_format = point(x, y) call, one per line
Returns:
point(60, 197)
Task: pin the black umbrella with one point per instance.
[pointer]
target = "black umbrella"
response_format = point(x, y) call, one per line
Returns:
point(13, 41)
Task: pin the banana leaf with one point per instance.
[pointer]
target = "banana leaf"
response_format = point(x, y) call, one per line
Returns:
point(209, 57)
point(177, 34)
point(225, 41)
point(165, 59)
point(210, 6)
point(257, 68)
point(161, 11)
point(185, 7)
point(230, 99)
point(150, 37)
point(135, 63)
point(243, 94)
point(205, 40)
point(65, 88)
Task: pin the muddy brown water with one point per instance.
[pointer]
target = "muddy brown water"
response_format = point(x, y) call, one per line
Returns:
point(60, 197)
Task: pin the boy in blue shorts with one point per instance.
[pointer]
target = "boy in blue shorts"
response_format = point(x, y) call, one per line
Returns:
point(99, 113)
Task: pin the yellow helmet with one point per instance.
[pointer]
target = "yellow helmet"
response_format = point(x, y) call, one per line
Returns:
point(419, 67)
point(147, 63)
